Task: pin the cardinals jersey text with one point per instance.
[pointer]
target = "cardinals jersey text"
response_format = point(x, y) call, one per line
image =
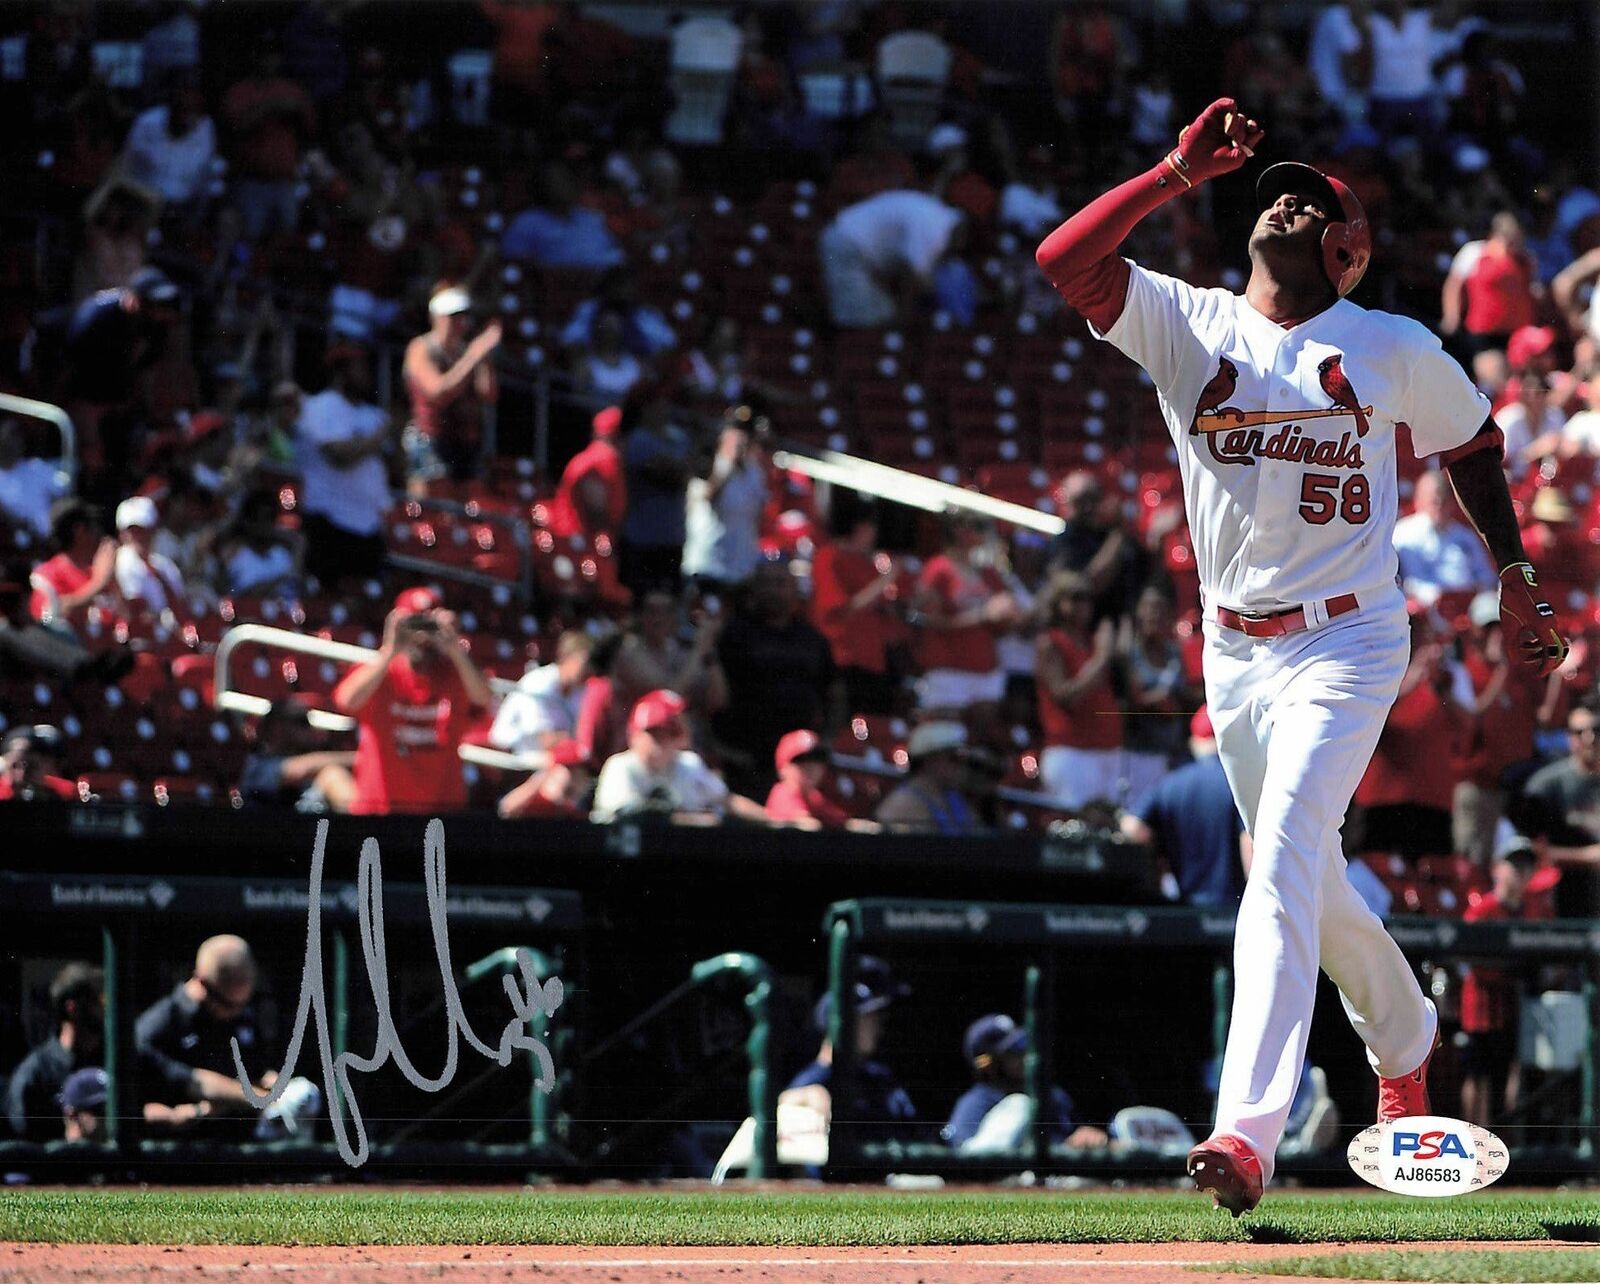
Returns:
point(1286, 437)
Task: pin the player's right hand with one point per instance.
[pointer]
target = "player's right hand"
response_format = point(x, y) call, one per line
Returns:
point(1219, 141)
point(1528, 621)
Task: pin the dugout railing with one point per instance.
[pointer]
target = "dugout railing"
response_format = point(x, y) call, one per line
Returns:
point(1052, 933)
point(140, 920)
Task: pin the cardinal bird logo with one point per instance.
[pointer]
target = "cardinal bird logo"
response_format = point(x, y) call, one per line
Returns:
point(1214, 394)
point(1212, 416)
point(1332, 377)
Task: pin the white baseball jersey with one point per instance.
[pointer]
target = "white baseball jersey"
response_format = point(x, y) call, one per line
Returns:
point(1286, 436)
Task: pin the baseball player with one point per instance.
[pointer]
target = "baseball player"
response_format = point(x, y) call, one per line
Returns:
point(1283, 403)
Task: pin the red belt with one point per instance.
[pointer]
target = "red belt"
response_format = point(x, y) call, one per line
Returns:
point(1276, 624)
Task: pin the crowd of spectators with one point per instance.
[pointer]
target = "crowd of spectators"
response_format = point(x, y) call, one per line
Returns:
point(288, 276)
point(289, 293)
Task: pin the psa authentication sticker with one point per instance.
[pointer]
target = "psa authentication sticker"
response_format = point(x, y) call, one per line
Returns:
point(1428, 1155)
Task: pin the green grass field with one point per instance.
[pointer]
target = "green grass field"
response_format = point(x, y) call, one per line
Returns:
point(807, 1218)
point(1484, 1266)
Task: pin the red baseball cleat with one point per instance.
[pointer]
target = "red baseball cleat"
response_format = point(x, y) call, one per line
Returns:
point(1229, 1169)
point(1407, 1095)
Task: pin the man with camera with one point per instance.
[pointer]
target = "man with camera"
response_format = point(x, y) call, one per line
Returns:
point(414, 701)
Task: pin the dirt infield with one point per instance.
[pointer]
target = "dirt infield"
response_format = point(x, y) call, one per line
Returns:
point(992, 1264)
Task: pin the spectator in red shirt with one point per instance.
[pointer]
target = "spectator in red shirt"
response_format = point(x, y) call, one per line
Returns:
point(1489, 291)
point(269, 117)
point(1506, 712)
point(854, 592)
point(413, 702)
point(1082, 722)
point(797, 798)
point(83, 568)
point(1402, 804)
point(28, 767)
point(592, 496)
point(961, 607)
point(1490, 997)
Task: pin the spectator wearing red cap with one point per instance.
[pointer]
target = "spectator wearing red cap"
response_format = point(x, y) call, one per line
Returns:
point(802, 761)
point(1402, 804)
point(145, 579)
point(1192, 822)
point(1082, 722)
point(413, 703)
point(659, 773)
point(344, 491)
point(592, 496)
point(854, 593)
point(450, 380)
point(1532, 349)
point(557, 791)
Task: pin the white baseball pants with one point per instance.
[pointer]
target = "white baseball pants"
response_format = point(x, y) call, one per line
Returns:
point(1297, 719)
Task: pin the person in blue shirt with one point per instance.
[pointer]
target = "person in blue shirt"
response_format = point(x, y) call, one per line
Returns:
point(1190, 818)
point(994, 1046)
point(877, 1097)
point(645, 332)
point(559, 232)
point(657, 458)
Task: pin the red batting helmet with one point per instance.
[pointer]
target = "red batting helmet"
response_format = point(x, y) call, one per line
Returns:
point(1347, 240)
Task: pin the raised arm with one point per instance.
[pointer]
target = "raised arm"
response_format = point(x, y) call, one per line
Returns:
point(356, 688)
point(1080, 256)
point(1564, 288)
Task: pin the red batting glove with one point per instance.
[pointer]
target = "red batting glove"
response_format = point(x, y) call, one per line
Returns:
point(1219, 141)
point(1529, 620)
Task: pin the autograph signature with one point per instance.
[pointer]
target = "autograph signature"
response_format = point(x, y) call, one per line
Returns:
point(529, 999)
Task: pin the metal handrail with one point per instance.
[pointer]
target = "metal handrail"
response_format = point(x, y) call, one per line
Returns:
point(224, 696)
point(503, 962)
point(55, 415)
point(756, 977)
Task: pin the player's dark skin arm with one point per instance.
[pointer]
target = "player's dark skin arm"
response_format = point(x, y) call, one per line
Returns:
point(1480, 485)
point(1532, 635)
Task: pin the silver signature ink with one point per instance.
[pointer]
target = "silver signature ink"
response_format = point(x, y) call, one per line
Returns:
point(527, 999)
